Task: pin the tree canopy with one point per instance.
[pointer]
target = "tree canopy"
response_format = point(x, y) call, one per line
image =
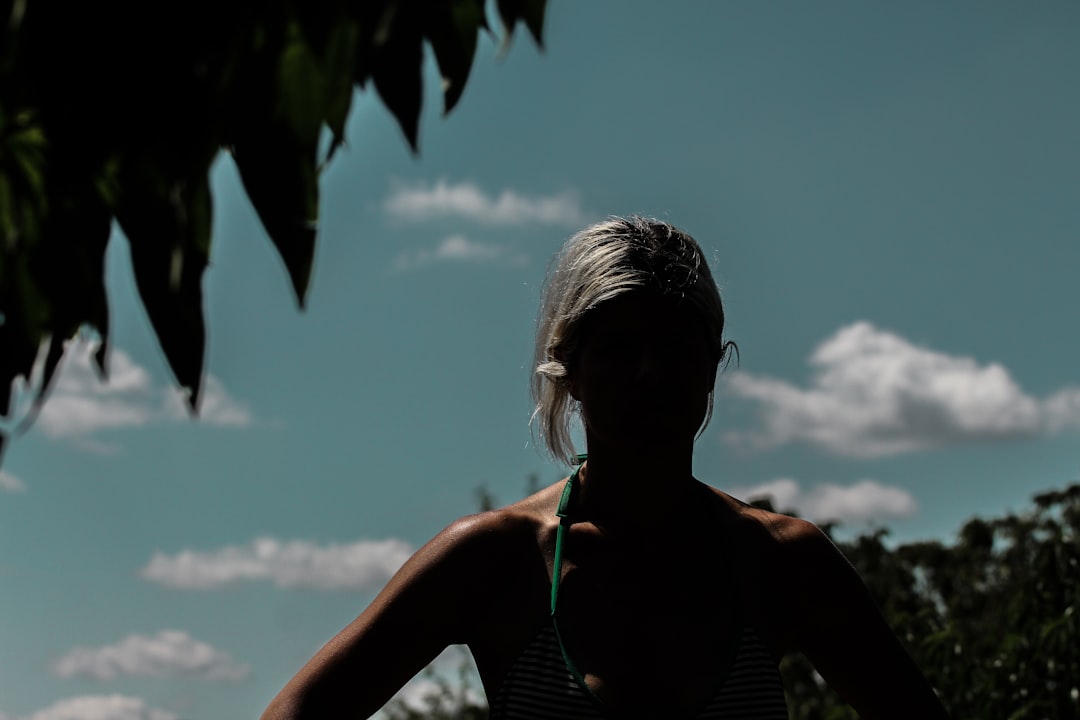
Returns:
point(990, 618)
point(117, 111)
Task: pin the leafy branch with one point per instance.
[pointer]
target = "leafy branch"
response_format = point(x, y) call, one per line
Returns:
point(118, 111)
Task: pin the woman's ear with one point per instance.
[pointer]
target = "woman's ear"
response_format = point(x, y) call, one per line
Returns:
point(571, 384)
point(566, 359)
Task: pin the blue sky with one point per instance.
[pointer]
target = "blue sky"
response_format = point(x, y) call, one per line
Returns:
point(890, 197)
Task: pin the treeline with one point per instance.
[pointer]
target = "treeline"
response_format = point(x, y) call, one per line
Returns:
point(991, 619)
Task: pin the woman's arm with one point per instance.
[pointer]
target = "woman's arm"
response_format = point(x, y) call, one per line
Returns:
point(841, 631)
point(427, 605)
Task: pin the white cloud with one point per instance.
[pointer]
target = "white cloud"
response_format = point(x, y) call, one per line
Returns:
point(98, 707)
point(362, 565)
point(1062, 410)
point(466, 200)
point(170, 653)
point(81, 405)
point(10, 483)
point(873, 394)
point(864, 500)
point(216, 407)
point(458, 248)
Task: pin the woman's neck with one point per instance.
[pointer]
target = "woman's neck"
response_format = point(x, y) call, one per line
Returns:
point(635, 489)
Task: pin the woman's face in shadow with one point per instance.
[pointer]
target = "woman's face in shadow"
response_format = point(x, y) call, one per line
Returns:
point(643, 371)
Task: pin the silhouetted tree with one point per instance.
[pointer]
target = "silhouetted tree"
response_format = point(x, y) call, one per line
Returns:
point(118, 110)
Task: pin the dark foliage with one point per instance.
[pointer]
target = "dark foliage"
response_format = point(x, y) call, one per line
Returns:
point(117, 111)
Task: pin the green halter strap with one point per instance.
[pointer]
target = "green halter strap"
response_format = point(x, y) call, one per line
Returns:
point(560, 537)
point(564, 523)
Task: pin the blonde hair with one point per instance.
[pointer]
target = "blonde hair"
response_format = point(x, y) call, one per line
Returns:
point(595, 265)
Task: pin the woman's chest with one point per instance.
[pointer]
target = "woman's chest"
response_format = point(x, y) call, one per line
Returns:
point(641, 628)
point(650, 635)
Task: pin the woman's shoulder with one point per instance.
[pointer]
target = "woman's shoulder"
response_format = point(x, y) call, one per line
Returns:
point(523, 526)
point(793, 566)
point(476, 563)
point(786, 549)
point(770, 530)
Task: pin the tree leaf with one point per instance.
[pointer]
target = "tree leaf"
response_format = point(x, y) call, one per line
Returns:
point(338, 64)
point(101, 359)
point(9, 222)
point(301, 86)
point(167, 223)
point(371, 19)
point(86, 229)
point(25, 313)
point(24, 308)
point(397, 68)
point(452, 32)
point(20, 350)
point(280, 175)
point(531, 11)
point(509, 11)
point(52, 361)
point(533, 14)
point(22, 187)
point(78, 230)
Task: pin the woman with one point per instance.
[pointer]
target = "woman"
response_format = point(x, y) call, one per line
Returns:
point(631, 589)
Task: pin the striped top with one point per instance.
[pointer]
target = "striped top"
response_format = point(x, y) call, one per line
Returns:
point(544, 683)
point(540, 686)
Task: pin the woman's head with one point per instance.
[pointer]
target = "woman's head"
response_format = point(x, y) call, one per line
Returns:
point(613, 258)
